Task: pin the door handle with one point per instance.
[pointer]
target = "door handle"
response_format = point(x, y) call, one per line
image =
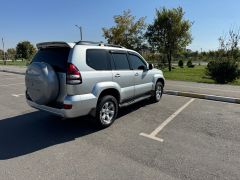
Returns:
point(117, 75)
point(136, 74)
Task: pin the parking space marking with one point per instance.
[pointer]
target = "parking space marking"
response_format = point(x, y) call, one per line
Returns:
point(5, 85)
point(153, 134)
point(17, 95)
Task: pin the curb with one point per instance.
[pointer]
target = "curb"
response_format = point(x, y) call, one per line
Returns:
point(15, 72)
point(203, 96)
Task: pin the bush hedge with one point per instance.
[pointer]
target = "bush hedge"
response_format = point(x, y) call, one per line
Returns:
point(190, 64)
point(223, 70)
point(180, 63)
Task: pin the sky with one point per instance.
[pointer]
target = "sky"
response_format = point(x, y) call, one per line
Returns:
point(55, 20)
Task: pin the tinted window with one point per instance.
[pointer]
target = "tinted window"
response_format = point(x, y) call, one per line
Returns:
point(97, 59)
point(56, 57)
point(136, 62)
point(120, 61)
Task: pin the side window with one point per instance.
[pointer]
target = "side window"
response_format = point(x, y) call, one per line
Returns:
point(120, 60)
point(97, 59)
point(136, 62)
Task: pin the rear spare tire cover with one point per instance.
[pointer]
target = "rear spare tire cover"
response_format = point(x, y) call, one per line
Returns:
point(41, 82)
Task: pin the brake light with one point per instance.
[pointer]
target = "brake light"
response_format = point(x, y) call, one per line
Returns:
point(67, 106)
point(73, 75)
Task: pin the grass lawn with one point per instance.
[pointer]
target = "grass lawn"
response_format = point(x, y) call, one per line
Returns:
point(196, 74)
point(14, 63)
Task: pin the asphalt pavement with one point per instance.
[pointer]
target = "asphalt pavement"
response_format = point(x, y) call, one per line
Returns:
point(201, 140)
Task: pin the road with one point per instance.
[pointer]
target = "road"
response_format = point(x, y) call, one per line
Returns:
point(201, 140)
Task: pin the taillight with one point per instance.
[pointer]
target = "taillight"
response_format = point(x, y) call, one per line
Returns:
point(67, 106)
point(73, 75)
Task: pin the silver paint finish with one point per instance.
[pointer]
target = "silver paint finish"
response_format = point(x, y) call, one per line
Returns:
point(125, 80)
point(84, 97)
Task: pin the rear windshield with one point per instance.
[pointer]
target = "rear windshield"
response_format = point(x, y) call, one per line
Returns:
point(56, 57)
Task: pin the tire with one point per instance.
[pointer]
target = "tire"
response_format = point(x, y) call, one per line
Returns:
point(42, 83)
point(106, 111)
point(157, 94)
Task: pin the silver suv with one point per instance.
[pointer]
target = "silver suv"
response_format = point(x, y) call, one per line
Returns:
point(76, 79)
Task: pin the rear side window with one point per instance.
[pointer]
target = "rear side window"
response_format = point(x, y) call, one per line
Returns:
point(97, 59)
point(56, 57)
point(120, 61)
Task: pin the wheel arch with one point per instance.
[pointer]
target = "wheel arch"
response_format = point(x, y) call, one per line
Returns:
point(161, 80)
point(110, 91)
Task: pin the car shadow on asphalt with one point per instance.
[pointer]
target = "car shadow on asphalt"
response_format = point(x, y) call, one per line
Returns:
point(27, 133)
point(37, 130)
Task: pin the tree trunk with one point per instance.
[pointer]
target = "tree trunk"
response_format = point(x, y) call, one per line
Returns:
point(169, 57)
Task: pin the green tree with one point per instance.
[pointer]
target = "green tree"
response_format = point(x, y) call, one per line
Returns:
point(11, 53)
point(228, 44)
point(127, 32)
point(170, 32)
point(25, 50)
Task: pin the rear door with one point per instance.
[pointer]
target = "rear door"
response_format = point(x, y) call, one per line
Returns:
point(122, 74)
point(57, 57)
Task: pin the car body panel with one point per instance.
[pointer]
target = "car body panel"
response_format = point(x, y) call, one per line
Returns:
point(125, 80)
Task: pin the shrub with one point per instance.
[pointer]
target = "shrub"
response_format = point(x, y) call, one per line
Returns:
point(223, 70)
point(190, 64)
point(180, 63)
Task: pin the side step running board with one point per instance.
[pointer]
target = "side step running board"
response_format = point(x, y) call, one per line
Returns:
point(134, 101)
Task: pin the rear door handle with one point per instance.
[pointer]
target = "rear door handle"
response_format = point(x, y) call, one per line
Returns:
point(117, 75)
point(136, 74)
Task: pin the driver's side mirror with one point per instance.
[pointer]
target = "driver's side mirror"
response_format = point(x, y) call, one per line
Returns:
point(150, 66)
point(144, 68)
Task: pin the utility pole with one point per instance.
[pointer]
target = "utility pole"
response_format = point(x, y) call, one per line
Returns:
point(201, 58)
point(4, 59)
point(80, 29)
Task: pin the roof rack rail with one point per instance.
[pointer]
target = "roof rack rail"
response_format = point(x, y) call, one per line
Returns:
point(113, 45)
point(98, 44)
point(88, 42)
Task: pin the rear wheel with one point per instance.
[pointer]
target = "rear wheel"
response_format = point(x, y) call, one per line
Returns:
point(157, 94)
point(106, 111)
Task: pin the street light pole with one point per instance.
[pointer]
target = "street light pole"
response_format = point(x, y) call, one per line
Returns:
point(80, 29)
point(201, 58)
point(4, 59)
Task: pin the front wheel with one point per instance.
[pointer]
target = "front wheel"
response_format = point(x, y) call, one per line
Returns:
point(157, 94)
point(106, 111)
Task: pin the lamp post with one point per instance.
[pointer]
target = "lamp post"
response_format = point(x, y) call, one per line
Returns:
point(80, 29)
point(4, 59)
point(201, 58)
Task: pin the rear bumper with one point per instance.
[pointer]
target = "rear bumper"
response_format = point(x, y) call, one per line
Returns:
point(81, 105)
